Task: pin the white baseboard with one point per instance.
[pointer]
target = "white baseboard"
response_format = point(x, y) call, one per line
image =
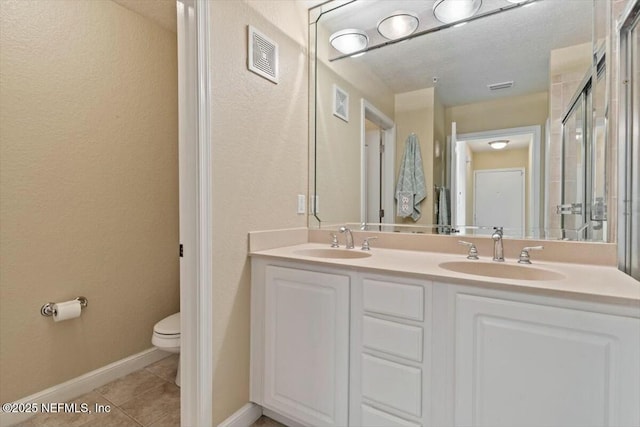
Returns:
point(244, 416)
point(85, 383)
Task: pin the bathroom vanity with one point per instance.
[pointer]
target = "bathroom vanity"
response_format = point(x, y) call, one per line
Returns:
point(391, 338)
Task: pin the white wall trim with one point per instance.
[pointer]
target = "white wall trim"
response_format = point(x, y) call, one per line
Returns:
point(369, 111)
point(196, 361)
point(244, 416)
point(83, 384)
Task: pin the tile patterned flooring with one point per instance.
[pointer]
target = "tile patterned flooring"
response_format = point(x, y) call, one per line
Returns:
point(148, 397)
point(145, 398)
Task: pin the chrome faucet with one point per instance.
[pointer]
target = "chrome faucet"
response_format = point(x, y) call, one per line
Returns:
point(498, 252)
point(348, 238)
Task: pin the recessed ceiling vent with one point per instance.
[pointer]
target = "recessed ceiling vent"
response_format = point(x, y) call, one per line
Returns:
point(498, 86)
point(263, 55)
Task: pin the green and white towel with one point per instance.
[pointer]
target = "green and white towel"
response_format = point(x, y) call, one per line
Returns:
point(411, 188)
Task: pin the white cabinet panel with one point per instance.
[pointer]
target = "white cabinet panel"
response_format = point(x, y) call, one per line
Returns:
point(306, 345)
point(372, 417)
point(392, 338)
point(392, 384)
point(520, 364)
point(394, 299)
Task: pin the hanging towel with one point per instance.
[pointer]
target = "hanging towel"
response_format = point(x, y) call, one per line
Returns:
point(443, 210)
point(443, 207)
point(411, 188)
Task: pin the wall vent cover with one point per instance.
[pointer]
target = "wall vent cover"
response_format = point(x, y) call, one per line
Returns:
point(498, 86)
point(263, 55)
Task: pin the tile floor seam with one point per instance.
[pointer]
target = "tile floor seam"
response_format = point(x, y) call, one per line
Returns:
point(163, 412)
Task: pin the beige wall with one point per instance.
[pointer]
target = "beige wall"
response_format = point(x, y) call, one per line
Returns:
point(89, 186)
point(260, 152)
point(338, 142)
point(502, 113)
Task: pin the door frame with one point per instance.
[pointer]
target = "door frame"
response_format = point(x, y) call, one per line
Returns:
point(369, 112)
point(195, 171)
point(534, 182)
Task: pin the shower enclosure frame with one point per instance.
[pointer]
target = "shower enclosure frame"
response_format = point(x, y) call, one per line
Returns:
point(628, 142)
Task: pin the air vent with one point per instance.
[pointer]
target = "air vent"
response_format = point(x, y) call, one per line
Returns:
point(498, 86)
point(263, 55)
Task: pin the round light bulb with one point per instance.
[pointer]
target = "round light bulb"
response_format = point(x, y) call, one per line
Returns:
point(397, 25)
point(448, 11)
point(349, 40)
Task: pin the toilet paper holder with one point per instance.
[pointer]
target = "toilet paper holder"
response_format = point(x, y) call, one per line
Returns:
point(48, 310)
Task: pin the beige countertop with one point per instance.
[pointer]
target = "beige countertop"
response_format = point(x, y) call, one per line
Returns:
point(588, 282)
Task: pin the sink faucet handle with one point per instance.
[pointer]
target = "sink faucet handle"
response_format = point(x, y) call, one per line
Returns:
point(365, 243)
point(473, 251)
point(334, 240)
point(524, 254)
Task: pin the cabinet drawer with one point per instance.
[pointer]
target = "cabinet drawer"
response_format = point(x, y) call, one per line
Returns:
point(392, 338)
point(392, 384)
point(374, 418)
point(394, 299)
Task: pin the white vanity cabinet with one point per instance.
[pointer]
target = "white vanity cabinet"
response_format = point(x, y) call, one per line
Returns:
point(301, 369)
point(524, 361)
point(335, 345)
point(390, 351)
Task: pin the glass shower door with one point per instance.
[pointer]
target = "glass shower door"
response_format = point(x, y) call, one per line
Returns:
point(573, 172)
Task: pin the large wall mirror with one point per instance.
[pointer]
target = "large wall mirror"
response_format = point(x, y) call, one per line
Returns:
point(429, 120)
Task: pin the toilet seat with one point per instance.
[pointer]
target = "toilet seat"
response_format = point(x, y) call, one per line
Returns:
point(166, 334)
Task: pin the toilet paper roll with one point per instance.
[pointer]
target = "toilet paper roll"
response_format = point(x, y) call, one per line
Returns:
point(66, 310)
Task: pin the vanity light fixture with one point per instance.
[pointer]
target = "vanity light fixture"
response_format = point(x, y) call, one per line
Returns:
point(349, 40)
point(498, 144)
point(448, 11)
point(397, 25)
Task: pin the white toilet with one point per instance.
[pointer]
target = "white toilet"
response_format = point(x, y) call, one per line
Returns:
point(166, 336)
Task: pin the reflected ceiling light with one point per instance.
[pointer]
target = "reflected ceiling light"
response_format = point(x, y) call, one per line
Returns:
point(349, 40)
point(454, 10)
point(498, 144)
point(397, 25)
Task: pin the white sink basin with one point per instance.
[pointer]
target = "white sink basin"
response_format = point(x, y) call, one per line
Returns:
point(500, 270)
point(333, 253)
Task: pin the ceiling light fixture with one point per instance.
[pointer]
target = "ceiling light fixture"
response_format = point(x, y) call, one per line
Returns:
point(498, 144)
point(397, 25)
point(448, 11)
point(349, 40)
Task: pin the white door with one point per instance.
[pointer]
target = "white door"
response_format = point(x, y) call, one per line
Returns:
point(499, 199)
point(375, 160)
point(523, 364)
point(307, 345)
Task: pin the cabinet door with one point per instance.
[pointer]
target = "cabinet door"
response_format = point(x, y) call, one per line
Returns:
point(520, 364)
point(306, 345)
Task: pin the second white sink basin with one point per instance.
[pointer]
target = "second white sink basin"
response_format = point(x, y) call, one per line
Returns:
point(333, 253)
point(501, 270)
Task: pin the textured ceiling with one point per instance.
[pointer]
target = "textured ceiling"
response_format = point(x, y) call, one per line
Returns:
point(512, 45)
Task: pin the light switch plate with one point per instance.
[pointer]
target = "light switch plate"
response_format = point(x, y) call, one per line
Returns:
point(301, 203)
